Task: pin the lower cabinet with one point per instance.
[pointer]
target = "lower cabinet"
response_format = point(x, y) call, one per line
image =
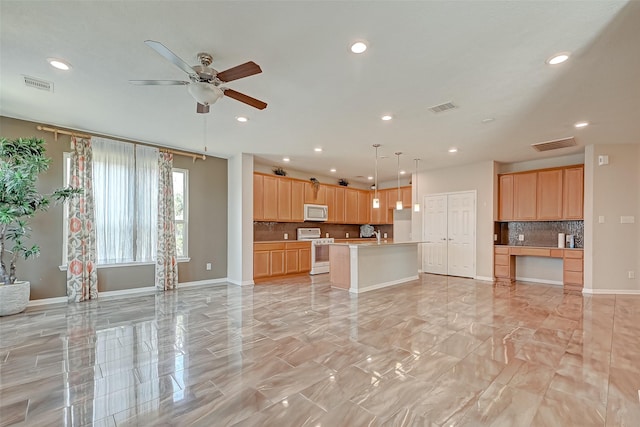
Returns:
point(280, 258)
point(572, 269)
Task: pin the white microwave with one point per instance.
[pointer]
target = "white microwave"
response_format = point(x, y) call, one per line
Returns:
point(316, 212)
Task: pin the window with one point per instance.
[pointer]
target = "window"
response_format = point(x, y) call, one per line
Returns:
point(181, 204)
point(125, 183)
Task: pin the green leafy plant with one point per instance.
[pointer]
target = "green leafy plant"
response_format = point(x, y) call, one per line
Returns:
point(279, 171)
point(343, 182)
point(21, 161)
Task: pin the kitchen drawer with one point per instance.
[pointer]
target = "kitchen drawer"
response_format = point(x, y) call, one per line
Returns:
point(573, 277)
point(501, 250)
point(572, 264)
point(501, 271)
point(502, 259)
point(522, 251)
point(297, 245)
point(573, 253)
point(268, 246)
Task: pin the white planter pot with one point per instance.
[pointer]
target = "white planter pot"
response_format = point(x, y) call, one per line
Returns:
point(14, 298)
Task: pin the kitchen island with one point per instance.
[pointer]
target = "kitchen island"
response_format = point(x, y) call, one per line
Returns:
point(367, 266)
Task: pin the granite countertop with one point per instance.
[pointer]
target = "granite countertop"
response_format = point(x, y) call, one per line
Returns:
point(536, 247)
point(282, 241)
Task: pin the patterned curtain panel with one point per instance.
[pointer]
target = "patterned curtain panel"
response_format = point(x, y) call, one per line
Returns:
point(82, 275)
point(166, 258)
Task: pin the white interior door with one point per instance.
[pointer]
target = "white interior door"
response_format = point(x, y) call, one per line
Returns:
point(461, 212)
point(434, 251)
point(449, 234)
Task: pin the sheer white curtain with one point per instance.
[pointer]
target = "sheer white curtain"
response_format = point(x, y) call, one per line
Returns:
point(126, 200)
point(147, 202)
point(114, 181)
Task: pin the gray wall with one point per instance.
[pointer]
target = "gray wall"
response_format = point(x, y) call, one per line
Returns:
point(207, 224)
point(612, 249)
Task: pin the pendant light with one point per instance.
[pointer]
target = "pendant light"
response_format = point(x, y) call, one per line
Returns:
point(416, 206)
point(376, 201)
point(399, 202)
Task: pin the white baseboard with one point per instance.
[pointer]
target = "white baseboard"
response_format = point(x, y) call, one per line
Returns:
point(132, 291)
point(546, 282)
point(382, 285)
point(484, 278)
point(202, 283)
point(241, 283)
point(611, 291)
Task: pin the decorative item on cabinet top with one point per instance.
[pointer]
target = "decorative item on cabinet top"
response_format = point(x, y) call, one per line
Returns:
point(343, 182)
point(279, 171)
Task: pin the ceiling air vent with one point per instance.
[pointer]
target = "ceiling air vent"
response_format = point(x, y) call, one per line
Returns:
point(554, 145)
point(38, 84)
point(443, 107)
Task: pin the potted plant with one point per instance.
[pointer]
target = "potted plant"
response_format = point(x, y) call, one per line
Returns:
point(21, 161)
point(343, 182)
point(279, 171)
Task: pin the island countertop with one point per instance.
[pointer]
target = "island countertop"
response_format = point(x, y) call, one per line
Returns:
point(383, 242)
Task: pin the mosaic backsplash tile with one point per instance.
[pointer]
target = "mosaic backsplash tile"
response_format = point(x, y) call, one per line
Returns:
point(541, 233)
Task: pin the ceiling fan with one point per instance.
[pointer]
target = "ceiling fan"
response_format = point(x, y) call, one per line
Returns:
point(204, 82)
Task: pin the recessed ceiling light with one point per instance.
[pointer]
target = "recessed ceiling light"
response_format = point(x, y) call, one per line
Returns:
point(403, 172)
point(242, 119)
point(487, 120)
point(317, 149)
point(453, 150)
point(285, 159)
point(332, 170)
point(581, 124)
point(386, 117)
point(60, 64)
point(369, 178)
point(558, 58)
point(358, 47)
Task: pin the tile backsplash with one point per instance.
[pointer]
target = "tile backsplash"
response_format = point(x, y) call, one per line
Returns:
point(539, 233)
point(266, 231)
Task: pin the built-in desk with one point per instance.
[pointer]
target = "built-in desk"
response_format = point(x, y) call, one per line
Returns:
point(504, 264)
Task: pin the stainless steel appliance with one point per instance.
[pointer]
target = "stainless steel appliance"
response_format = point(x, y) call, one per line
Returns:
point(319, 249)
point(316, 212)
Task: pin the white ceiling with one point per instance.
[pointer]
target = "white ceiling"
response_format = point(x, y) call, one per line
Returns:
point(487, 57)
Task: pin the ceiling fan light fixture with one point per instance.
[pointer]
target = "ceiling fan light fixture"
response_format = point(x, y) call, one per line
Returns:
point(205, 93)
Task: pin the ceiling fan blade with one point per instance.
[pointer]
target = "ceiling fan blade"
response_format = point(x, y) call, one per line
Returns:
point(158, 82)
point(201, 108)
point(172, 57)
point(245, 98)
point(244, 70)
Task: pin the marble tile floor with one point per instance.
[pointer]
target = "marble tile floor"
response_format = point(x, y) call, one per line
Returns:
point(437, 351)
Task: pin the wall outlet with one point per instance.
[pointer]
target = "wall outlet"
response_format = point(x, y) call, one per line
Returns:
point(208, 266)
point(632, 275)
point(601, 219)
point(495, 237)
point(520, 237)
point(346, 235)
point(385, 235)
point(286, 236)
point(628, 219)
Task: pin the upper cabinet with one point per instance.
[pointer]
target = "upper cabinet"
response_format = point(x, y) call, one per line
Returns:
point(542, 195)
point(505, 198)
point(315, 194)
point(573, 200)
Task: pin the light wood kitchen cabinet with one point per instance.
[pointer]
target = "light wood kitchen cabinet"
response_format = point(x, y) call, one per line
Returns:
point(549, 194)
point(330, 200)
point(573, 198)
point(280, 258)
point(379, 216)
point(406, 196)
point(351, 206)
point(573, 269)
point(364, 207)
point(524, 196)
point(505, 197)
point(258, 198)
point(297, 201)
point(270, 198)
point(284, 200)
point(314, 196)
point(340, 207)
